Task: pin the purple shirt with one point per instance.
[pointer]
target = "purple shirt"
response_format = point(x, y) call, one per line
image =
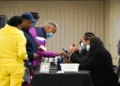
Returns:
point(40, 53)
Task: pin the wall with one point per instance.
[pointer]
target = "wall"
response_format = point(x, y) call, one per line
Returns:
point(112, 28)
point(73, 17)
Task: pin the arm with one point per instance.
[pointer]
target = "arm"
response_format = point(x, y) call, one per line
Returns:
point(22, 47)
point(46, 54)
point(93, 62)
point(30, 55)
point(78, 57)
point(75, 58)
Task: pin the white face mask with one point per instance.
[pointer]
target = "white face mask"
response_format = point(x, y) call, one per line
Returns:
point(82, 46)
point(88, 47)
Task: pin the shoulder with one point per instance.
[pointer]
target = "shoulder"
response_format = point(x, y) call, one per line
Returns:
point(100, 51)
point(38, 27)
point(20, 32)
point(0, 30)
point(96, 51)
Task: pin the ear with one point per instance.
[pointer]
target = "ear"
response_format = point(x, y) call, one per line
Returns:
point(48, 26)
point(19, 27)
point(24, 20)
point(88, 41)
point(54, 30)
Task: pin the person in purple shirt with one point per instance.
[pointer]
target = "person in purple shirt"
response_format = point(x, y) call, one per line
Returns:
point(40, 35)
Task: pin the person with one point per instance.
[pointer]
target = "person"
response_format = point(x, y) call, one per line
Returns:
point(80, 55)
point(118, 69)
point(12, 53)
point(36, 16)
point(31, 47)
point(99, 63)
point(45, 32)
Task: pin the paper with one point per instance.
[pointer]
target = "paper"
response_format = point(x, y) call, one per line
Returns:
point(69, 67)
point(44, 68)
point(60, 72)
point(43, 48)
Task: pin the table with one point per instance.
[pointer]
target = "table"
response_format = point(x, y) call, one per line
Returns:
point(81, 78)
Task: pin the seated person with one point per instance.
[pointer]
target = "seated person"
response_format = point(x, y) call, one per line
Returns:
point(99, 63)
point(79, 55)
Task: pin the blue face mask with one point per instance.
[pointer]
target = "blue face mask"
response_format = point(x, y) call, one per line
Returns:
point(33, 24)
point(88, 47)
point(49, 35)
point(82, 46)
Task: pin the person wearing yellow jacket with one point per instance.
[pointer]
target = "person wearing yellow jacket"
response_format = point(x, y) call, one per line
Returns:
point(12, 53)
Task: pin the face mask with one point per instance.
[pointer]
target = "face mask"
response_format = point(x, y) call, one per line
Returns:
point(82, 46)
point(88, 47)
point(33, 24)
point(49, 35)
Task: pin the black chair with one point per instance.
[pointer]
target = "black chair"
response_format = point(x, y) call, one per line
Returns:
point(118, 70)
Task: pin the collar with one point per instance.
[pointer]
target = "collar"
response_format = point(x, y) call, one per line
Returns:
point(43, 29)
point(25, 30)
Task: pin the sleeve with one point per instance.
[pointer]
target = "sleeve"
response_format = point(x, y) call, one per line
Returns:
point(76, 57)
point(30, 55)
point(22, 47)
point(93, 62)
point(46, 54)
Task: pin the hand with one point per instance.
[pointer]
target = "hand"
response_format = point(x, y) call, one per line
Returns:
point(35, 56)
point(42, 59)
point(67, 61)
point(39, 48)
point(57, 53)
point(42, 48)
point(61, 53)
point(73, 48)
point(64, 54)
point(27, 59)
point(67, 55)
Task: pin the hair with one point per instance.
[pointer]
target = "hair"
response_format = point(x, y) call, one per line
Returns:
point(35, 15)
point(51, 23)
point(88, 35)
point(95, 42)
point(15, 21)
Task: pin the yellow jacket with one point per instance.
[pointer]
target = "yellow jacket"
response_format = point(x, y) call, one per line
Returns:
point(12, 46)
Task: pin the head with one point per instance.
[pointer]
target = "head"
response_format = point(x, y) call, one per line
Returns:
point(95, 42)
point(27, 20)
point(35, 16)
point(50, 28)
point(15, 21)
point(84, 43)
